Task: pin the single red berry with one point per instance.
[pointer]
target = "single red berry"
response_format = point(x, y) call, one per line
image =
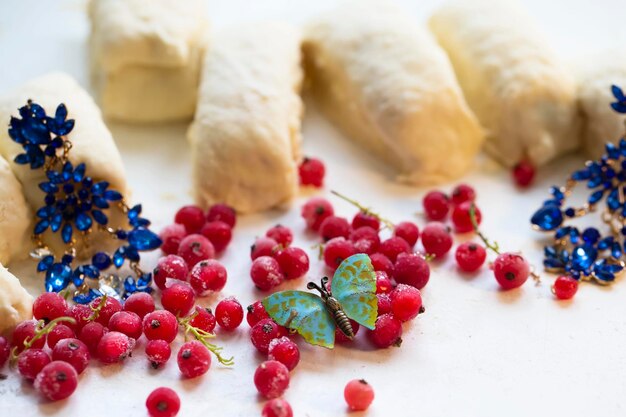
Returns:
point(172, 267)
point(463, 193)
point(365, 246)
point(384, 303)
point(56, 381)
point(229, 313)
point(208, 276)
point(266, 273)
point(271, 379)
point(406, 302)
point(411, 269)
point(256, 313)
point(363, 219)
point(340, 337)
point(219, 233)
point(59, 332)
point(158, 352)
point(31, 361)
point(334, 226)
point(126, 322)
point(470, 256)
point(277, 407)
point(263, 246)
point(72, 351)
point(462, 219)
point(365, 233)
point(315, 211)
point(285, 351)
point(358, 395)
point(388, 331)
point(90, 335)
point(163, 402)
point(511, 270)
point(140, 303)
point(565, 287)
point(407, 231)
point(336, 251)
point(383, 283)
point(110, 307)
point(293, 262)
point(436, 205)
point(381, 263)
point(194, 359)
point(171, 236)
point(24, 332)
point(192, 217)
point(393, 247)
point(80, 313)
point(178, 299)
point(49, 306)
point(222, 213)
point(264, 332)
point(203, 319)
point(5, 350)
point(436, 239)
point(160, 324)
point(524, 174)
point(196, 248)
point(114, 347)
point(281, 234)
point(312, 171)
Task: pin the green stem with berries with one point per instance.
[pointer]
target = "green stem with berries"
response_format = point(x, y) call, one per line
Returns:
point(41, 329)
point(364, 209)
point(489, 244)
point(202, 336)
point(96, 310)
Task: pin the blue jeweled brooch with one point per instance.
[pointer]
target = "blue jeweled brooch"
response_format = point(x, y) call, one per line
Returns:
point(587, 254)
point(74, 205)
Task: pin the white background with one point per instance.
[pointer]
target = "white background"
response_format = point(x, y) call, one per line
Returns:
point(476, 352)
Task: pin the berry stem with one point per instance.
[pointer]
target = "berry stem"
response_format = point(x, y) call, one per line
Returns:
point(364, 209)
point(40, 330)
point(202, 336)
point(96, 310)
point(489, 244)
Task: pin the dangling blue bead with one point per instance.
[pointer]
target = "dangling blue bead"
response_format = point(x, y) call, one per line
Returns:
point(548, 217)
point(583, 257)
point(58, 277)
point(143, 239)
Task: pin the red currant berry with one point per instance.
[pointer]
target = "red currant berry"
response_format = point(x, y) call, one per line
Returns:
point(163, 402)
point(110, 307)
point(266, 273)
point(196, 248)
point(365, 246)
point(511, 270)
point(384, 303)
point(277, 407)
point(59, 332)
point(80, 313)
point(293, 262)
point(393, 247)
point(203, 319)
point(171, 236)
point(49, 306)
point(470, 256)
point(114, 347)
point(463, 193)
point(57, 380)
point(281, 234)
point(436, 205)
point(72, 351)
point(383, 283)
point(222, 213)
point(271, 379)
point(363, 219)
point(565, 287)
point(194, 359)
point(366, 233)
point(264, 332)
point(381, 263)
point(334, 226)
point(436, 239)
point(160, 324)
point(312, 171)
point(158, 352)
point(523, 174)
point(91, 334)
point(462, 219)
point(140, 303)
point(5, 350)
point(178, 299)
point(192, 217)
point(406, 302)
point(24, 332)
point(340, 337)
point(263, 246)
point(219, 233)
point(126, 322)
point(358, 394)
point(208, 276)
point(256, 313)
point(285, 351)
point(30, 362)
point(229, 313)
point(407, 231)
point(411, 269)
point(315, 211)
point(336, 251)
point(388, 331)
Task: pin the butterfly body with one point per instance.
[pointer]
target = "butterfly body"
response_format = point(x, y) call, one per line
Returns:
point(334, 308)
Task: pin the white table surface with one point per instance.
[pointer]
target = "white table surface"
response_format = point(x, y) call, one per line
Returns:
point(477, 351)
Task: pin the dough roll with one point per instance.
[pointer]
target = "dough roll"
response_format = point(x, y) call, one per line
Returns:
point(16, 303)
point(522, 95)
point(388, 85)
point(15, 217)
point(245, 137)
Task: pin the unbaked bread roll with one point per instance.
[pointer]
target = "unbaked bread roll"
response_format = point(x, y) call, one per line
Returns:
point(245, 137)
point(15, 217)
point(388, 85)
point(601, 124)
point(145, 57)
point(522, 95)
point(15, 302)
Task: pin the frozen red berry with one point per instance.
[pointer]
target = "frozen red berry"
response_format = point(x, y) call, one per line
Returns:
point(160, 324)
point(126, 322)
point(285, 351)
point(336, 251)
point(523, 174)
point(364, 219)
point(470, 256)
point(565, 287)
point(114, 347)
point(5, 350)
point(436, 205)
point(171, 237)
point(511, 270)
point(271, 379)
point(383, 283)
point(203, 319)
point(140, 303)
point(436, 239)
point(407, 231)
point(281, 234)
point(340, 337)
point(59, 332)
point(31, 361)
point(49, 306)
point(381, 263)
point(256, 312)
point(208, 276)
point(277, 407)
point(25, 332)
point(219, 233)
point(463, 193)
point(315, 211)
point(384, 303)
point(222, 213)
point(72, 351)
point(178, 299)
point(393, 247)
point(56, 381)
point(110, 307)
point(334, 226)
point(229, 314)
point(194, 359)
point(195, 248)
point(406, 302)
point(411, 269)
point(358, 395)
point(293, 262)
point(90, 335)
point(388, 331)
point(263, 246)
point(312, 171)
point(266, 273)
point(163, 402)
point(461, 217)
point(80, 313)
point(192, 217)
point(368, 234)
point(158, 352)
point(264, 332)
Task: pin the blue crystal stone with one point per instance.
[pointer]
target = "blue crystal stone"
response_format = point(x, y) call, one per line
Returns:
point(121, 234)
point(55, 224)
point(100, 217)
point(582, 175)
point(129, 285)
point(612, 200)
point(612, 151)
point(591, 235)
point(41, 227)
point(67, 259)
point(68, 188)
point(68, 170)
point(83, 222)
point(100, 187)
point(574, 234)
point(132, 254)
point(552, 263)
point(622, 146)
point(100, 202)
point(557, 193)
point(79, 172)
point(144, 280)
point(144, 239)
point(606, 271)
point(58, 277)
point(118, 257)
point(48, 187)
point(605, 243)
point(88, 297)
point(45, 212)
point(134, 212)
point(45, 263)
point(616, 250)
point(66, 233)
point(140, 222)
point(112, 195)
point(87, 182)
point(583, 257)
point(54, 177)
point(561, 232)
point(549, 252)
point(594, 181)
point(595, 197)
point(570, 212)
point(101, 260)
point(548, 217)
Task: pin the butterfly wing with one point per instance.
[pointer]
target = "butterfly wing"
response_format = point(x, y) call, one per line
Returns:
point(304, 312)
point(354, 286)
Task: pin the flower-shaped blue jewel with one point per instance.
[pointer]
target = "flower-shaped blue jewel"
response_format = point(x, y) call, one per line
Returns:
point(620, 100)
